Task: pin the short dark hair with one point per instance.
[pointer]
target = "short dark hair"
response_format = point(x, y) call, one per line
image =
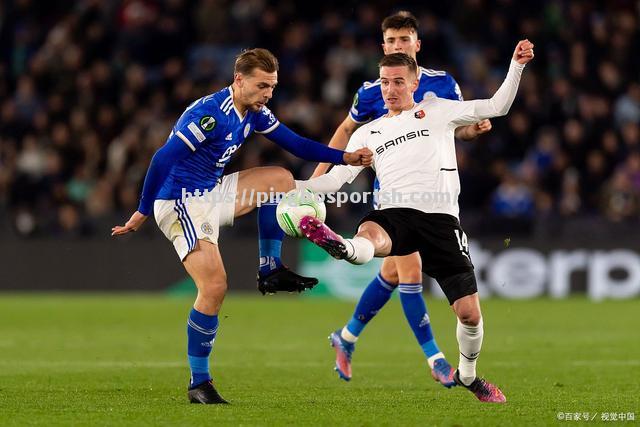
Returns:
point(399, 20)
point(250, 59)
point(399, 60)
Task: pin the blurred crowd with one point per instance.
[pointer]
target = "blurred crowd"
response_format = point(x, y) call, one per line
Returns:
point(89, 89)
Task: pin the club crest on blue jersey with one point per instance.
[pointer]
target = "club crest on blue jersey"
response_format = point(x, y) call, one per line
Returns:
point(268, 113)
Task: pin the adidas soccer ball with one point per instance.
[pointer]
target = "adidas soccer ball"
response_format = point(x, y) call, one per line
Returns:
point(295, 205)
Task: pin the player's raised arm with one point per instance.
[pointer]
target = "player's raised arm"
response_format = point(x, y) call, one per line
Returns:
point(308, 149)
point(329, 182)
point(170, 153)
point(468, 112)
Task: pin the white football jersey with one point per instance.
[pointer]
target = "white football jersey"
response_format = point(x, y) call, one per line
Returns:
point(414, 157)
point(414, 152)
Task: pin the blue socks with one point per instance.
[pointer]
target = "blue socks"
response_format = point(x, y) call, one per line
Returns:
point(201, 333)
point(375, 296)
point(415, 310)
point(270, 235)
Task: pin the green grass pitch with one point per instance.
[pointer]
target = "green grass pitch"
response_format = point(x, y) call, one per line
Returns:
point(119, 360)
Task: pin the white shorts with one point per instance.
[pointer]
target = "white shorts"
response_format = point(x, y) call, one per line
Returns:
point(184, 222)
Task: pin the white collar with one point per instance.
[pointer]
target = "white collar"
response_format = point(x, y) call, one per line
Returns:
point(240, 116)
point(403, 111)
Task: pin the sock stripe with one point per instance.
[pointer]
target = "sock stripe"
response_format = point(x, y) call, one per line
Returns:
point(384, 283)
point(201, 329)
point(410, 289)
point(470, 359)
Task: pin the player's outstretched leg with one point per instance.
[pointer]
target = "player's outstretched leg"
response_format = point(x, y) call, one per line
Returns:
point(356, 251)
point(266, 182)
point(273, 276)
point(343, 340)
point(469, 333)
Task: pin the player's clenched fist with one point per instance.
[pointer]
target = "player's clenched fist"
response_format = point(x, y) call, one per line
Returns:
point(523, 52)
point(360, 157)
point(483, 126)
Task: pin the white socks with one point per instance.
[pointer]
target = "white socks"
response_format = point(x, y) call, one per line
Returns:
point(432, 360)
point(348, 336)
point(359, 250)
point(469, 343)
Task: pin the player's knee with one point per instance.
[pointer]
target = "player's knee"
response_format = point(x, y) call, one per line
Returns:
point(213, 287)
point(389, 273)
point(282, 178)
point(376, 235)
point(469, 317)
point(409, 269)
point(410, 274)
point(412, 277)
point(467, 310)
point(461, 290)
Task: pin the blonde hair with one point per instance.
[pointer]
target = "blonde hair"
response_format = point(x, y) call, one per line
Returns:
point(250, 59)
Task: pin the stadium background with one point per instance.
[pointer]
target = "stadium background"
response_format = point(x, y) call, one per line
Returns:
point(90, 89)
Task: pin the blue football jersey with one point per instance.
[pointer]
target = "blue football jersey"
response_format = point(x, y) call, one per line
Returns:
point(214, 130)
point(368, 103)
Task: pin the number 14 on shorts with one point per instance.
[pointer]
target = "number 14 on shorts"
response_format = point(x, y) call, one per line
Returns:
point(463, 243)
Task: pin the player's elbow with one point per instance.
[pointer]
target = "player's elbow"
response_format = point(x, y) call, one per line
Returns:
point(499, 110)
point(348, 126)
point(503, 112)
point(161, 159)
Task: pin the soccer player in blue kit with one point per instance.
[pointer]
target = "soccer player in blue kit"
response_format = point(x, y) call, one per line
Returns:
point(400, 34)
point(191, 198)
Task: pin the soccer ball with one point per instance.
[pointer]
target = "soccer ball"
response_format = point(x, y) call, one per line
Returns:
point(295, 205)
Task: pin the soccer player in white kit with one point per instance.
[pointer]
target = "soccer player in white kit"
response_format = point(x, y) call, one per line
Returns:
point(399, 34)
point(415, 161)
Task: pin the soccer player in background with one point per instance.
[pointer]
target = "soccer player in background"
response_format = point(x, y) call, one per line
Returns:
point(400, 34)
point(191, 198)
point(419, 186)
